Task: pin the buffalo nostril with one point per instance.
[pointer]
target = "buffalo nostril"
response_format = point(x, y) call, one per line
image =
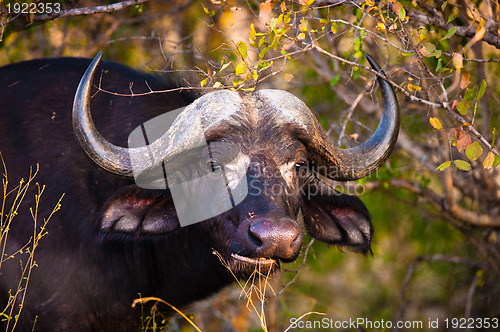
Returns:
point(280, 238)
point(254, 237)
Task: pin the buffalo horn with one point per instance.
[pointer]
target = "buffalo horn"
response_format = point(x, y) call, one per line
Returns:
point(362, 160)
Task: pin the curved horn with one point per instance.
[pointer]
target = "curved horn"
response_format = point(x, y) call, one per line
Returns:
point(110, 157)
point(327, 159)
point(187, 132)
point(364, 159)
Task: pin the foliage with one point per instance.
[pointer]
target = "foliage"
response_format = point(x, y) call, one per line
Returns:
point(10, 206)
point(435, 205)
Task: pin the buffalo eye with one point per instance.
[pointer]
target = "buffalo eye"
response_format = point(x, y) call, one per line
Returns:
point(213, 166)
point(301, 168)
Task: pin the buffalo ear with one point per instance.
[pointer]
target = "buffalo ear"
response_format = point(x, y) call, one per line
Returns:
point(337, 218)
point(138, 211)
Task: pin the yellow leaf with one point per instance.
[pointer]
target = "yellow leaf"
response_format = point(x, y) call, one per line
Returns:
point(435, 123)
point(301, 36)
point(413, 87)
point(488, 162)
point(380, 27)
point(241, 68)
point(255, 75)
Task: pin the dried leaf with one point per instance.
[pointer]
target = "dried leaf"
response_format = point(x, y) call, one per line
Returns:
point(463, 141)
point(283, 7)
point(265, 8)
point(288, 77)
point(465, 80)
point(458, 61)
point(306, 2)
point(480, 31)
point(488, 161)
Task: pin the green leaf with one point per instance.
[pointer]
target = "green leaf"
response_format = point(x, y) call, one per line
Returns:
point(242, 49)
point(335, 27)
point(439, 64)
point(450, 33)
point(497, 160)
point(335, 80)
point(481, 91)
point(443, 166)
point(493, 134)
point(451, 17)
point(462, 107)
point(402, 13)
point(263, 52)
point(470, 94)
point(211, 13)
point(473, 151)
point(324, 21)
point(462, 165)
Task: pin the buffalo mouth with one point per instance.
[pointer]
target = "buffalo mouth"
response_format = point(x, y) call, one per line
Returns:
point(245, 267)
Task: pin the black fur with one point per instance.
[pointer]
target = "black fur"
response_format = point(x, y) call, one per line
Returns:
point(88, 274)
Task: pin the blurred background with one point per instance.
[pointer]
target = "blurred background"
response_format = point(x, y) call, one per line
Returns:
point(435, 204)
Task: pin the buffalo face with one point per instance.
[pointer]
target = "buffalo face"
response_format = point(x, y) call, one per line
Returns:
point(272, 157)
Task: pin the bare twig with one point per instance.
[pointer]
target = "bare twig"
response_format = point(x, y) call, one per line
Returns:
point(89, 10)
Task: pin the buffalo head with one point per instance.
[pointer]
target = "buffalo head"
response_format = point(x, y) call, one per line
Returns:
point(270, 141)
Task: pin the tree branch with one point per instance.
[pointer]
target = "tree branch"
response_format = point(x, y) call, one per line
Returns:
point(89, 10)
point(490, 35)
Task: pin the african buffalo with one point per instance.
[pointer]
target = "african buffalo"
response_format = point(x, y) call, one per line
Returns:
point(114, 240)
